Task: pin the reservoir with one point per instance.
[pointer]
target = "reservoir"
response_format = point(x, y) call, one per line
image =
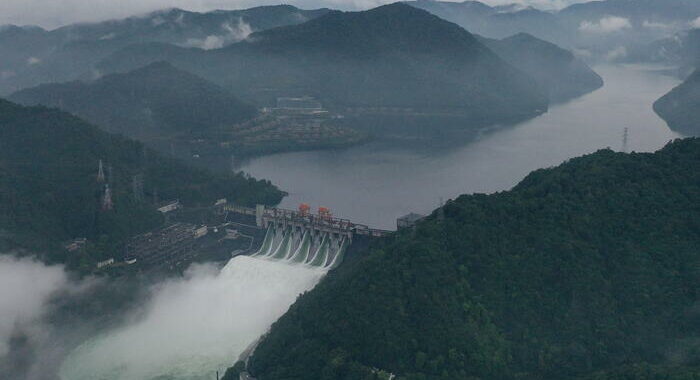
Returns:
point(191, 327)
point(377, 182)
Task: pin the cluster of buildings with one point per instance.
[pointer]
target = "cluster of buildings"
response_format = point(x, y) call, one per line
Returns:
point(167, 246)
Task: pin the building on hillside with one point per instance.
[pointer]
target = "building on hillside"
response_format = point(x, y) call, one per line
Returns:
point(75, 244)
point(200, 232)
point(303, 103)
point(408, 221)
point(105, 263)
point(169, 206)
point(167, 246)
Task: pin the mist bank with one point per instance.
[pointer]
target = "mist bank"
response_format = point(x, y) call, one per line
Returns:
point(193, 326)
point(46, 311)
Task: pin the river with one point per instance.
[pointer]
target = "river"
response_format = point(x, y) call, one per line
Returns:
point(375, 183)
point(194, 326)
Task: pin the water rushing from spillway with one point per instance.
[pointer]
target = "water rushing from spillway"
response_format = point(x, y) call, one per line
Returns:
point(196, 325)
point(303, 247)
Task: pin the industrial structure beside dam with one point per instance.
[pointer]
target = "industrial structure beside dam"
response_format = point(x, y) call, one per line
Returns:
point(302, 237)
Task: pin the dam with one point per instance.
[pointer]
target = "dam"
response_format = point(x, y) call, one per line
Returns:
point(302, 237)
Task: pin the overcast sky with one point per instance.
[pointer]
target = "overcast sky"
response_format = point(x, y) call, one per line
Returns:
point(53, 13)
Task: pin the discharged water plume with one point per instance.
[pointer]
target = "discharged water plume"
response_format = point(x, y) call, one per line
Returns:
point(321, 250)
point(194, 326)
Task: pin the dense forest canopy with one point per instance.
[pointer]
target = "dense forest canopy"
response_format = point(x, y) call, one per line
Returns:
point(49, 190)
point(587, 269)
point(152, 102)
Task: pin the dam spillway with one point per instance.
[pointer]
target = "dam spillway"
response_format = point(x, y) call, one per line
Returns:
point(303, 246)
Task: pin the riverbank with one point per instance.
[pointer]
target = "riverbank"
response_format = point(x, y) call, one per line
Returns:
point(377, 182)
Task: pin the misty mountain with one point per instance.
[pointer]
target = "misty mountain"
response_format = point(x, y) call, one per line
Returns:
point(680, 108)
point(35, 56)
point(611, 27)
point(556, 69)
point(599, 30)
point(384, 57)
point(154, 102)
point(586, 267)
point(49, 191)
point(682, 50)
point(498, 22)
point(637, 11)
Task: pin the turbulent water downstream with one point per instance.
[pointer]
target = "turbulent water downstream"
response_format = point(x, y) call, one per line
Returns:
point(195, 326)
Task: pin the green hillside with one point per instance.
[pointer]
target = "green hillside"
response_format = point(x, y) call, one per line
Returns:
point(32, 56)
point(680, 108)
point(49, 191)
point(154, 102)
point(383, 57)
point(560, 74)
point(590, 266)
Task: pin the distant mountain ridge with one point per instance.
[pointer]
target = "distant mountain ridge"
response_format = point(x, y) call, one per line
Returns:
point(33, 56)
point(557, 70)
point(155, 101)
point(596, 29)
point(384, 57)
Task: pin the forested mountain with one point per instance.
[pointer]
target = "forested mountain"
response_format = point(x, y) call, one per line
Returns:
point(561, 74)
point(32, 56)
point(680, 108)
point(682, 49)
point(49, 191)
point(589, 269)
point(384, 57)
point(498, 22)
point(154, 102)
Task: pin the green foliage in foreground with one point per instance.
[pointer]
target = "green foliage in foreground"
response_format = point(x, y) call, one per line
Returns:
point(644, 371)
point(49, 192)
point(589, 266)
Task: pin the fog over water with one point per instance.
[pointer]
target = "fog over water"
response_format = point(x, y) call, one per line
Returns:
point(194, 326)
point(375, 184)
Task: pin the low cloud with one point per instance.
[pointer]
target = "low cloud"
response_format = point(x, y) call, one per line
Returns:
point(657, 25)
point(25, 289)
point(609, 24)
point(231, 34)
point(616, 54)
point(55, 13)
point(195, 325)
point(695, 23)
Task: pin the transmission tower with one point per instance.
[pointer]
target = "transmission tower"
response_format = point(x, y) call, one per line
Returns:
point(625, 136)
point(100, 173)
point(137, 187)
point(107, 199)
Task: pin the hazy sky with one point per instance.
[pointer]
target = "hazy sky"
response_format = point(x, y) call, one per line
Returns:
point(53, 13)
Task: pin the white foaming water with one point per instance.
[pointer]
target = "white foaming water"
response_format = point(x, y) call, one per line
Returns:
point(197, 325)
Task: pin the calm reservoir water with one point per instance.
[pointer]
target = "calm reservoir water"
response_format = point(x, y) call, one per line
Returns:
point(376, 183)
